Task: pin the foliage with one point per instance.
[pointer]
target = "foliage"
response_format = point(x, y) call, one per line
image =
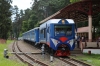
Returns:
point(46, 8)
point(96, 26)
point(5, 20)
point(17, 22)
point(73, 1)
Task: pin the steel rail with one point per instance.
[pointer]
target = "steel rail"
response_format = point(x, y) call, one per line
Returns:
point(34, 60)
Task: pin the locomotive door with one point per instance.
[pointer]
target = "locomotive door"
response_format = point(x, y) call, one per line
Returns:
point(47, 34)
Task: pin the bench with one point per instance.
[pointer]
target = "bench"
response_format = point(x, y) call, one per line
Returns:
point(91, 45)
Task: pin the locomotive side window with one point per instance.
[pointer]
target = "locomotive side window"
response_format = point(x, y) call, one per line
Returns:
point(48, 30)
point(43, 32)
point(61, 30)
point(33, 34)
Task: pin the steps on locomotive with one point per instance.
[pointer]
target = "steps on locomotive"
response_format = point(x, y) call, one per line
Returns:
point(76, 51)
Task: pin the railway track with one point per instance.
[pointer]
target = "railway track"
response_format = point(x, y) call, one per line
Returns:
point(25, 57)
point(73, 62)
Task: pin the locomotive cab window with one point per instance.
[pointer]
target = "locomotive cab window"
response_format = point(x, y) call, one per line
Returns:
point(63, 30)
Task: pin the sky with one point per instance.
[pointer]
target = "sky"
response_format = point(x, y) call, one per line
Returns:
point(22, 4)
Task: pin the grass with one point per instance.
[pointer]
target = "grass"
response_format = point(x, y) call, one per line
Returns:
point(8, 62)
point(93, 59)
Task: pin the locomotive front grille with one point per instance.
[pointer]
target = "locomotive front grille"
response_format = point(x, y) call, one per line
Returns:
point(63, 47)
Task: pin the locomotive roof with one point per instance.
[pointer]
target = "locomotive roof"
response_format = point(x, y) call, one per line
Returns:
point(55, 21)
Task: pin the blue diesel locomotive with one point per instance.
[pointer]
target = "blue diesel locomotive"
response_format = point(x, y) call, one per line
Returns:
point(55, 35)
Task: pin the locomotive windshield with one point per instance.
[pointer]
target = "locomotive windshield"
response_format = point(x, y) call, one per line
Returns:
point(63, 30)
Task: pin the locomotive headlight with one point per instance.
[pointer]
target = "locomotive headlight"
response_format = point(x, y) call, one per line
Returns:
point(63, 21)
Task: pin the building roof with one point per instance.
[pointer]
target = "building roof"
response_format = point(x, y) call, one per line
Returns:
point(83, 30)
point(78, 11)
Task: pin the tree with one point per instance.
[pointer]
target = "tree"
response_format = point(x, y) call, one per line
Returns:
point(73, 1)
point(32, 21)
point(96, 26)
point(17, 22)
point(46, 8)
point(5, 18)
